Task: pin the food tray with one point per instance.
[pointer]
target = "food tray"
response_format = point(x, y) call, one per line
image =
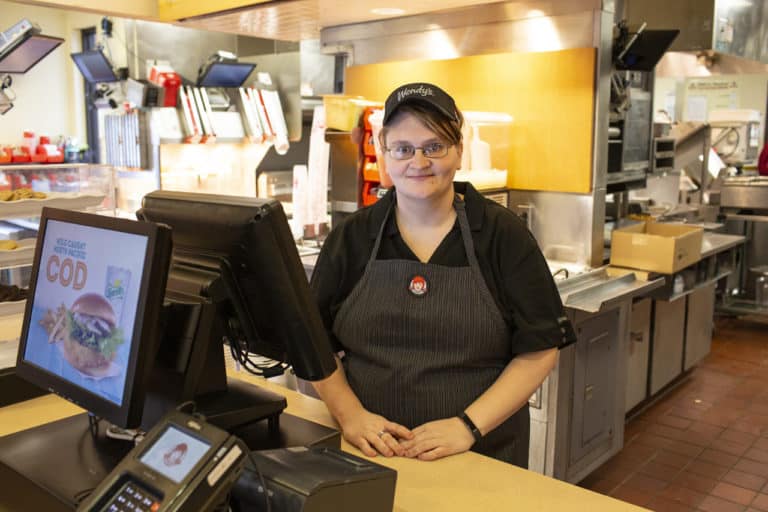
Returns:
point(22, 255)
point(33, 207)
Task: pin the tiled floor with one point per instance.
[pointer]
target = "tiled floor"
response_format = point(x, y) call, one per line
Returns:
point(703, 446)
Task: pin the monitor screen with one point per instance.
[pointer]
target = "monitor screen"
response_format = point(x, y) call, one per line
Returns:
point(239, 253)
point(28, 53)
point(225, 74)
point(91, 322)
point(94, 66)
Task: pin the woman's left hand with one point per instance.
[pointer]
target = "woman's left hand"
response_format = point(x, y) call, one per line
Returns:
point(438, 439)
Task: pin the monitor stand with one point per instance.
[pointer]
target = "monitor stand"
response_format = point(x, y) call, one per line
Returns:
point(239, 404)
point(189, 366)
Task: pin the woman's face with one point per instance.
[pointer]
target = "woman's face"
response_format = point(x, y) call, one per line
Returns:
point(419, 177)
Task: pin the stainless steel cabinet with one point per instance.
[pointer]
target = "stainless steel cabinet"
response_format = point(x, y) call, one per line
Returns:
point(594, 386)
point(667, 345)
point(699, 325)
point(638, 349)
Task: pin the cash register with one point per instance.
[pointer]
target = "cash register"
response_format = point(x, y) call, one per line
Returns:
point(126, 319)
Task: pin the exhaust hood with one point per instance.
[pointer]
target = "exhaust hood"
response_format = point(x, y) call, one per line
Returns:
point(730, 27)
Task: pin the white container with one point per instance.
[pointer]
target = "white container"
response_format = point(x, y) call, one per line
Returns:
point(480, 152)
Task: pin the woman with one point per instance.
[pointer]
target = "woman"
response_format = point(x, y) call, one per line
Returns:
point(440, 301)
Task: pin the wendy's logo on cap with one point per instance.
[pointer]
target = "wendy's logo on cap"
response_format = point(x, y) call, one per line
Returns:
point(418, 286)
point(410, 91)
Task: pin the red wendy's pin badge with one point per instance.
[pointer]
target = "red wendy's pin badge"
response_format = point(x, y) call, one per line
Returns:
point(418, 286)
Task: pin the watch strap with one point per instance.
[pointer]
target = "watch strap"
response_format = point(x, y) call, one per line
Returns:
point(471, 426)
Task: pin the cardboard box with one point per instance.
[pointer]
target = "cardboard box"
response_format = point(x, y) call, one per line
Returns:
point(657, 247)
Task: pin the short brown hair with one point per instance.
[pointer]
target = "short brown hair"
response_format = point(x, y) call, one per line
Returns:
point(445, 128)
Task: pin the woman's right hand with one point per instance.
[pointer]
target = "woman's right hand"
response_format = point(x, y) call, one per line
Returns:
point(374, 434)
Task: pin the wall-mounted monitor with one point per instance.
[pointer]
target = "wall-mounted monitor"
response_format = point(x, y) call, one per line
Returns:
point(225, 74)
point(646, 50)
point(94, 66)
point(22, 56)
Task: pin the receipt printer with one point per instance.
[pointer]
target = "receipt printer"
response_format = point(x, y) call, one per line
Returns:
point(315, 480)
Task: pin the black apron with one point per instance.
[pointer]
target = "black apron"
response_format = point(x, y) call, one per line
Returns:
point(415, 356)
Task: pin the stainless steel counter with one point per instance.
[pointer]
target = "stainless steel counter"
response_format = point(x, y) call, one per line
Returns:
point(714, 243)
point(596, 290)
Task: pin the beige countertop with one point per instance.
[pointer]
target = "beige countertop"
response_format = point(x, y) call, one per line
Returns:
point(463, 482)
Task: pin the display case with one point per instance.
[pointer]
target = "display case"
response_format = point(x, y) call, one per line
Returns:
point(24, 191)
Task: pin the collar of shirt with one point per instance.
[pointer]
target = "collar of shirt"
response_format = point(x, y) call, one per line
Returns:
point(473, 201)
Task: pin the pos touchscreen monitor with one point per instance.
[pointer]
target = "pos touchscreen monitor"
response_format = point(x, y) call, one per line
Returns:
point(235, 274)
point(92, 318)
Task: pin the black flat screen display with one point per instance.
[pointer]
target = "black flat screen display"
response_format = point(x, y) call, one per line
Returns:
point(223, 74)
point(94, 66)
point(28, 53)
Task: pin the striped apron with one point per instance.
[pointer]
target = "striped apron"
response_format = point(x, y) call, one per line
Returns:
point(423, 341)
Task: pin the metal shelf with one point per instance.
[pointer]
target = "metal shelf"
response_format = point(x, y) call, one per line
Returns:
point(675, 296)
point(38, 166)
point(25, 208)
point(743, 307)
point(22, 255)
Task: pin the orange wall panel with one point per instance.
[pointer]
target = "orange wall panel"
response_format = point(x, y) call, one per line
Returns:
point(549, 94)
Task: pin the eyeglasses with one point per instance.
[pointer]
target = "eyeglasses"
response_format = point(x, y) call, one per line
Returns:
point(407, 151)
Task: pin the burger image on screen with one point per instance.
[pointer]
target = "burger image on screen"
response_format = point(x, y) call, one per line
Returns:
point(90, 336)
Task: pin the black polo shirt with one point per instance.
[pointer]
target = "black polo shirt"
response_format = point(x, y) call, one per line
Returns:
point(509, 257)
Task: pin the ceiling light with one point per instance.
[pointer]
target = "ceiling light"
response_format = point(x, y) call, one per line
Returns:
point(388, 11)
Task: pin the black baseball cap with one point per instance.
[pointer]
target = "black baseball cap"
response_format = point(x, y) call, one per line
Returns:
point(420, 92)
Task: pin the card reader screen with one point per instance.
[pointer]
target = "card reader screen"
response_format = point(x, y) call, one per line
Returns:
point(174, 454)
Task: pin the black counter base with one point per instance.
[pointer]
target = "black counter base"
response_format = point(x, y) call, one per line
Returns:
point(14, 389)
point(54, 466)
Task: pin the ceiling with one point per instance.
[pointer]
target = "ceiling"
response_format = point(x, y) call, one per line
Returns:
point(296, 20)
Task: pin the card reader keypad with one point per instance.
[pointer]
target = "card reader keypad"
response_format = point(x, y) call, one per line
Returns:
point(133, 498)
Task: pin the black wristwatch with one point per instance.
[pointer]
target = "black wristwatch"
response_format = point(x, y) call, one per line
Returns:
point(471, 426)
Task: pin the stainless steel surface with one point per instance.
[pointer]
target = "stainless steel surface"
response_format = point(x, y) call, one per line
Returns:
point(594, 386)
point(564, 224)
point(714, 243)
point(344, 182)
point(638, 349)
point(725, 26)
point(694, 18)
point(472, 31)
point(187, 48)
point(667, 348)
point(699, 325)
point(317, 69)
point(740, 29)
point(604, 21)
point(595, 290)
point(746, 217)
point(686, 64)
point(755, 230)
point(745, 192)
point(692, 143)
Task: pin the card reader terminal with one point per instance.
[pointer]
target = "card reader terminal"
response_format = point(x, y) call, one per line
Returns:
point(183, 464)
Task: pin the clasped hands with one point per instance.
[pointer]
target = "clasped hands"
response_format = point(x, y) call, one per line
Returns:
point(373, 434)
